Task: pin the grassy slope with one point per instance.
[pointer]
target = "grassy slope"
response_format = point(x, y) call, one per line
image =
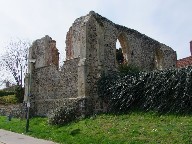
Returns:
point(132, 128)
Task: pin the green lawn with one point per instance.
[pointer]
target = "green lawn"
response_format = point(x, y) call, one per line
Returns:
point(133, 128)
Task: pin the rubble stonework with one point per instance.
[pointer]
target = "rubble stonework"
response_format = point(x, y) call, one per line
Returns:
point(14, 110)
point(90, 51)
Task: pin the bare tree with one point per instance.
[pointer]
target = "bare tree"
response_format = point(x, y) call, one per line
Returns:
point(14, 60)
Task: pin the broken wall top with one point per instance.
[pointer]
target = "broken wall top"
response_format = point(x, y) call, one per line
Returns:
point(135, 45)
point(44, 51)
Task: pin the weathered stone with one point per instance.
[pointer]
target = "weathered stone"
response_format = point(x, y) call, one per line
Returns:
point(90, 51)
point(14, 110)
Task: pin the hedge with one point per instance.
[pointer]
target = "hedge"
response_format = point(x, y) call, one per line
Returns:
point(6, 93)
point(168, 91)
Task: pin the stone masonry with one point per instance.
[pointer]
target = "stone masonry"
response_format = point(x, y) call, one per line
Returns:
point(90, 52)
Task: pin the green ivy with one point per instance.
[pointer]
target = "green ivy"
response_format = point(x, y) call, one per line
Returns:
point(168, 91)
point(128, 69)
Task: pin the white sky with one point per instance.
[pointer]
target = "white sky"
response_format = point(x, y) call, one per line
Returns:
point(167, 21)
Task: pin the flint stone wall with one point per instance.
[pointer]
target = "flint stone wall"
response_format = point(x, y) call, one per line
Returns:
point(53, 88)
point(14, 110)
point(98, 49)
point(90, 52)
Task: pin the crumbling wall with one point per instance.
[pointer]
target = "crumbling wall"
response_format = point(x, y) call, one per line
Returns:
point(51, 88)
point(90, 52)
point(138, 49)
point(76, 39)
point(45, 53)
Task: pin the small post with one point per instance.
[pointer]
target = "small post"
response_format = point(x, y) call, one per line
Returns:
point(27, 123)
point(29, 92)
point(9, 117)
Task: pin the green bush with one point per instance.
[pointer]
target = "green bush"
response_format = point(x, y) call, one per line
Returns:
point(6, 93)
point(10, 99)
point(19, 94)
point(168, 91)
point(63, 115)
point(128, 69)
point(105, 83)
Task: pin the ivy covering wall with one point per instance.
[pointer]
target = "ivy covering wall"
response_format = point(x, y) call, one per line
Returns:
point(168, 91)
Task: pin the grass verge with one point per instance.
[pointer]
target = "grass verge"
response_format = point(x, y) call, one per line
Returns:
point(132, 128)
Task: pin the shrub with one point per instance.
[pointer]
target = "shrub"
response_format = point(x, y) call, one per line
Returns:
point(11, 99)
point(128, 69)
point(6, 93)
point(63, 115)
point(105, 83)
point(168, 91)
point(19, 94)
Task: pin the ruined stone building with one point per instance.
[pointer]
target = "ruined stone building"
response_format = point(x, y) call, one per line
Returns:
point(90, 51)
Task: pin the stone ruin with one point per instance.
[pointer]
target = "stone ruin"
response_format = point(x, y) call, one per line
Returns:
point(90, 52)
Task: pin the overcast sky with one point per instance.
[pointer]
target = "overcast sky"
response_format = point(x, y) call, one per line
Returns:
point(167, 21)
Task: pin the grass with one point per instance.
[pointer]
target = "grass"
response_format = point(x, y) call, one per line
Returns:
point(132, 128)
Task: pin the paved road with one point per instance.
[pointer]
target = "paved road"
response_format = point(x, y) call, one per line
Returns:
point(7, 137)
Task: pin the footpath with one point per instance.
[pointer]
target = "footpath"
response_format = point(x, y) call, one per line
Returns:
point(7, 137)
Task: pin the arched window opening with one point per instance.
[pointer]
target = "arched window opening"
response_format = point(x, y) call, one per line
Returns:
point(119, 53)
point(122, 50)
